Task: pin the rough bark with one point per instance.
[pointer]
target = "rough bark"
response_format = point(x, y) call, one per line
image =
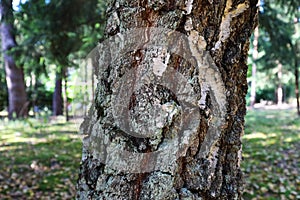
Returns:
point(221, 29)
point(57, 100)
point(17, 105)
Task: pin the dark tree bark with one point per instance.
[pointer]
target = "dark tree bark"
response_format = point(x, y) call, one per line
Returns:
point(295, 51)
point(119, 164)
point(296, 73)
point(57, 101)
point(14, 75)
point(66, 95)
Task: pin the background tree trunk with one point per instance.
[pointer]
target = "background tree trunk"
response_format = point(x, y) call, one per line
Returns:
point(279, 91)
point(65, 91)
point(57, 101)
point(254, 67)
point(220, 28)
point(14, 75)
point(296, 72)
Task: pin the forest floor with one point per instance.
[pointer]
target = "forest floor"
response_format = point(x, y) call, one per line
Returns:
point(271, 158)
point(39, 159)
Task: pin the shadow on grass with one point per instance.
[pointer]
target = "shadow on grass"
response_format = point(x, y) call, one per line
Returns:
point(37, 164)
point(41, 160)
point(271, 146)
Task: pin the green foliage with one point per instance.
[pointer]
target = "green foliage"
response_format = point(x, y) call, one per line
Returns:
point(276, 31)
point(57, 29)
point(52, 36)
point(277, 40)
point(291, 5)
point(40, 95)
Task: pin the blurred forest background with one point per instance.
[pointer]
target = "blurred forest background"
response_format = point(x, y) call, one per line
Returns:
point(48, 42)
point(46, 80)
point(44, 44)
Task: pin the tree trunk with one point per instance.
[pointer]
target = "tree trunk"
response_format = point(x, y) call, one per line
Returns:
point(66, 94)
point(295, 50)
point(57, 101)
point(254, 56)
point(297, 85)
point(279, 91)
point(17, 105)
point(170, 102)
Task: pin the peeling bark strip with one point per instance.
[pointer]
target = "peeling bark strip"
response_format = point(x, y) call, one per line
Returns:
point(162, 79)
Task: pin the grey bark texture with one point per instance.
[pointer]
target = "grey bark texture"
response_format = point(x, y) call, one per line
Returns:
point(14, 75)
point(223, 29)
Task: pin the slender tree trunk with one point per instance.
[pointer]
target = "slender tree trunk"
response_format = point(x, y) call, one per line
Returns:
point(279, 87)
point(66, 94)
point(86, 94)
point(296, 51)
point(297, 86)
point(57, 101)
point(296, 73)
point(254, 56)
point(169, 106)
point(17, 104)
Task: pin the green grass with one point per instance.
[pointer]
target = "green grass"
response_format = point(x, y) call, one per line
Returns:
point(40, 160)
point(271, 147)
